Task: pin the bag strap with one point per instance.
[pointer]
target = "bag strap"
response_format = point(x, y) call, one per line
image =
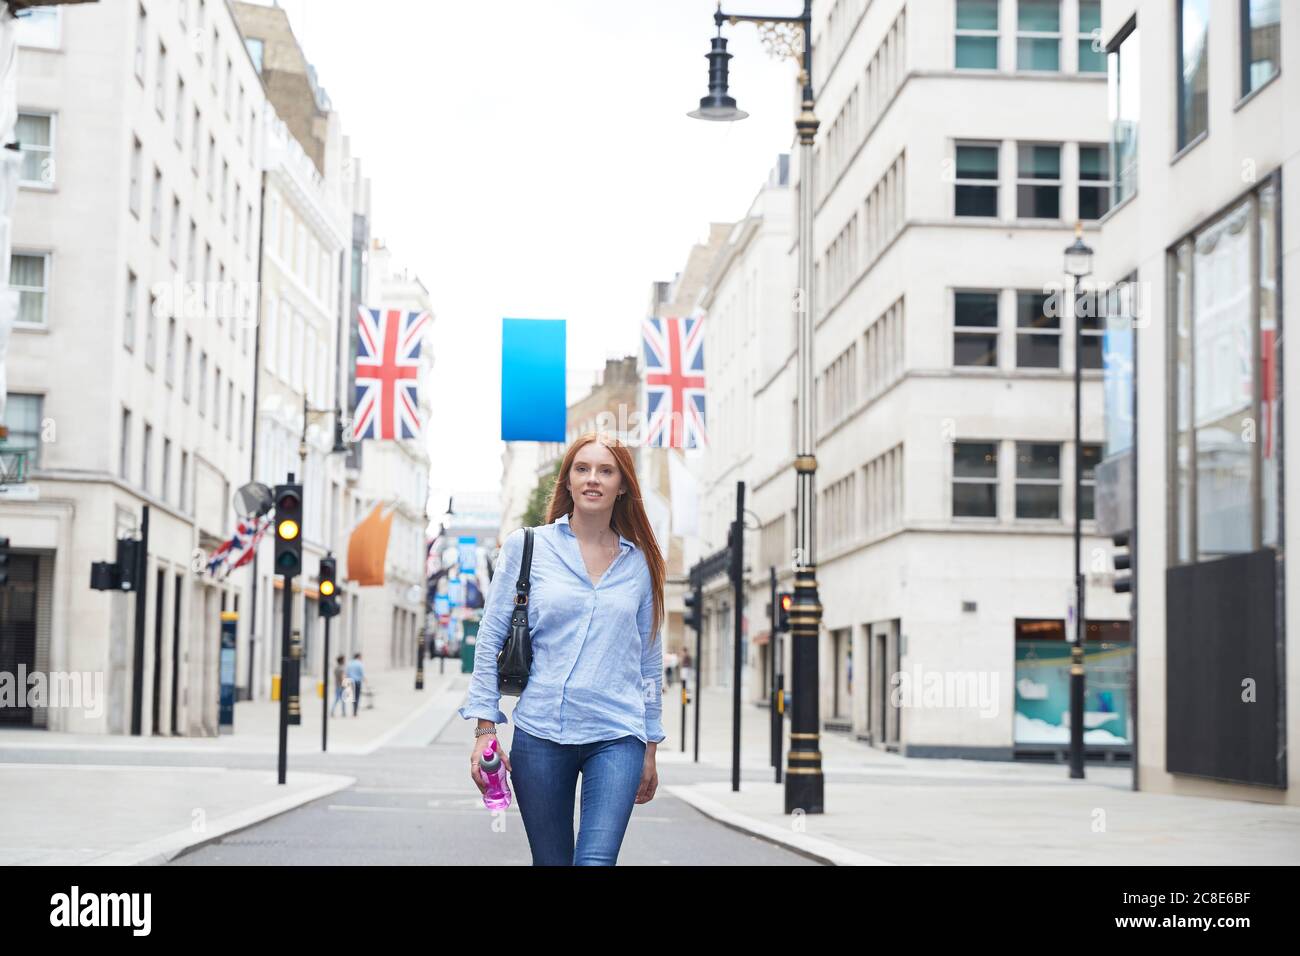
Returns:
point(525, 569)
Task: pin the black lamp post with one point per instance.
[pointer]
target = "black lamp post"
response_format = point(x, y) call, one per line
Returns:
point(791, 37)
point(1078, 263)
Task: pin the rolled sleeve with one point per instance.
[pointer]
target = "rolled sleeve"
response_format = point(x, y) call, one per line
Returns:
point(483, 701)
point(652, 668)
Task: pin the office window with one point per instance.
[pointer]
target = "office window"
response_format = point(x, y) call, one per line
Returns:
point(169, 368)
point(182, 493)
point(1124, 64)
point(212, 164)
point(124, 448)
point(137, 171)
point(160, 82)
point(39, 27)
point(155, 207)
point(974, 479)
point(1088, 496)
point(230, 75)
point(29, 276)
point(35, 135)
point(977, 180)
point(1038, 35)
point(203, 384)
point(165, 491)
point(1193, 78)
point(977, 35)
point(1092, 57)
point(225, 188)
point(1089, 312)
point(1261, 42)
point(1224, 441)
point(1038, 332)
point(1038, 479)
point(141, 29)
point(230, 408)
point(243, 417)
point(174, 238)
point(216, 401)
point(207, 279)
point(192, 253)
point(196, 140)
point(255, 48)
point(1094, 181)
point(23, 417)
point(186, 368)
point(151, 332)
point(128, 311)
point(216, 51)
point(178, 114)
point(182, 9)
point(239, 196)
point(1038, 186)
point(146, 476)
point(975, 328)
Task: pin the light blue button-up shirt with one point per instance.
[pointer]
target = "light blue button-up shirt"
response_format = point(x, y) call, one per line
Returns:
point(596, 671)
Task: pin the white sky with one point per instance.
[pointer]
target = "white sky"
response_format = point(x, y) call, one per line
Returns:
point(535, 160)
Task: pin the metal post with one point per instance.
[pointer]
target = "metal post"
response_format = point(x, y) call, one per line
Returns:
point(1080, 618)
point(287, 604)
point(141, 606)
point(804, 785)
point(771, 650)
point(737, 624)
point(325, 702)
point(699, 663)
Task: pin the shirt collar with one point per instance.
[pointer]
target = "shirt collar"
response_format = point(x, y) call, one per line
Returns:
point(563, 522)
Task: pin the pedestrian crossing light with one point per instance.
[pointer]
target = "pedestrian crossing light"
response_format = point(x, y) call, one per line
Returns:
point(784, 601)
point(288, 529)
point(692, 601)
point(329, 600)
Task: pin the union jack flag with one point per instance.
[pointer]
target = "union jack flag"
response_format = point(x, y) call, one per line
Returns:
point(238, 551)
point(388, 366)
point(674, 382)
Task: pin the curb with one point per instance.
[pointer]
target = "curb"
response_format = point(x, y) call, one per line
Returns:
point(164, 849)
point(823, 851)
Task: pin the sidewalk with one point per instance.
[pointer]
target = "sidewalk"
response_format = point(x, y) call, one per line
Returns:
point(143, 813)
point(881, 808)
point(396, 706)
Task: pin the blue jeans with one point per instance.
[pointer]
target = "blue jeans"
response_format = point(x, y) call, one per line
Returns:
point(545, 777)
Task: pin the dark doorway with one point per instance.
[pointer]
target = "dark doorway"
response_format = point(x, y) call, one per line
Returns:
point(18, 634)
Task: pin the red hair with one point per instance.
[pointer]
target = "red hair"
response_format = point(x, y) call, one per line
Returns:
point(629, 518)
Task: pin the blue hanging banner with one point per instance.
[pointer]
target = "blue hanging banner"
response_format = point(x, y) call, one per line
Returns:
point(532, 380)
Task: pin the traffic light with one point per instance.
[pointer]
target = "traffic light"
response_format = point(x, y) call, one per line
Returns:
point(692, 610)
point(784, 601)
point(328, 587)
point(4, 561)
point(288, 530)
point(1123, 560)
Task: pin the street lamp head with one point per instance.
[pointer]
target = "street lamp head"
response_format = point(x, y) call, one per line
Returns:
point(1078, 256)
point(718, 105)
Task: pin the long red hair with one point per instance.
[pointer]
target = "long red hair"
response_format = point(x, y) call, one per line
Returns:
point(629, 518)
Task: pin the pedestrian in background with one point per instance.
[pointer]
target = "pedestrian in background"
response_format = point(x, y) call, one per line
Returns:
point(340, 675)
point(593, 702)
point(357, 674)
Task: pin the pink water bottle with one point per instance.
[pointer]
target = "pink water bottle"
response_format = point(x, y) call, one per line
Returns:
point(497, 795)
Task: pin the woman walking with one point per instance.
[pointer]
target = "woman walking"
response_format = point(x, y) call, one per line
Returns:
point(592, 705)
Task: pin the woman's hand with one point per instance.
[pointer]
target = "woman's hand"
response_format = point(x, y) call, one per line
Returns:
point(649, 777)
point(480, 745)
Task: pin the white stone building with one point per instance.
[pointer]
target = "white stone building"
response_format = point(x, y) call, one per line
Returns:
point(960, 142)
point(750, 364)
point(392, 617)
point(1204, 96)
point(130, 367)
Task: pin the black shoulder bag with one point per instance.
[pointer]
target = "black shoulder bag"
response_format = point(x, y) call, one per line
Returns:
point(516, 657)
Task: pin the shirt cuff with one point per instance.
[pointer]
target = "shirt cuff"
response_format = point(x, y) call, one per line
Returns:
point(482, 713)
point(654, 731)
